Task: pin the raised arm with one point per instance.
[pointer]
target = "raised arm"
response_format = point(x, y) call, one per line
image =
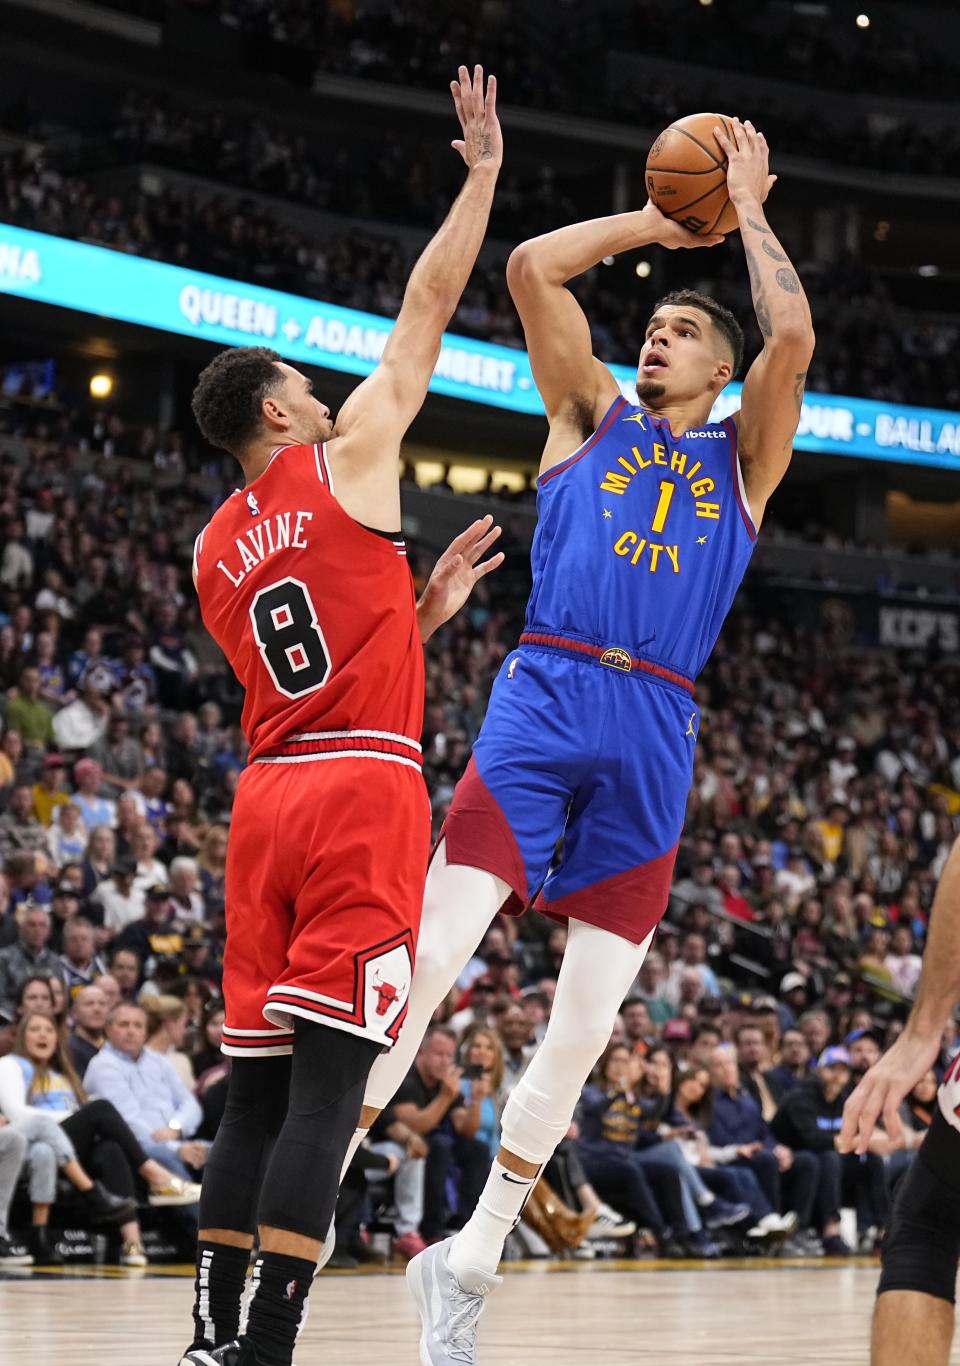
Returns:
point(576, 388)
point(938, 991)
point(372, 422)
point(773, 389)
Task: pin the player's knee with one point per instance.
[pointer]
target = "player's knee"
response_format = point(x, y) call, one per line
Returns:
point(435, 971)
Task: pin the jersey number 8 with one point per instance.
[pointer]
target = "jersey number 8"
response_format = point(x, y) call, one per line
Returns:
point(289, 638)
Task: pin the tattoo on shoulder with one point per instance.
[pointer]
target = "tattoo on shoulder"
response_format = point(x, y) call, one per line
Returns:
point(787, 280)
point(757, 227)
point(772, 252)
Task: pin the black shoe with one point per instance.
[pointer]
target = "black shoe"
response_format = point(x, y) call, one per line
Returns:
point(241, 1353)
point(43, 1247)
point(14, 1254)
point(724, 1214)
point(103, 1207)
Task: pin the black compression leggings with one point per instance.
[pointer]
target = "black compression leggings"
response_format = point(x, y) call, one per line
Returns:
point(105, 1145)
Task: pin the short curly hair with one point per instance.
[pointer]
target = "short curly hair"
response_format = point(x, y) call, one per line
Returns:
point(227, 398)
point(722, 319)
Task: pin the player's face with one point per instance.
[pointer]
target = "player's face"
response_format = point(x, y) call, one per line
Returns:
point(308, 420)
point(680, 359)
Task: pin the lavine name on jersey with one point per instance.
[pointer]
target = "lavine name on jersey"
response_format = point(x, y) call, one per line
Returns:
point(281, 531)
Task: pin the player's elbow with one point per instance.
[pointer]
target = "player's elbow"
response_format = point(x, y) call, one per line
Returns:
point(795, 337)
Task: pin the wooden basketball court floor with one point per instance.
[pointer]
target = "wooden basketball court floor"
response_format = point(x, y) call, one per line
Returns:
point(545, 1314)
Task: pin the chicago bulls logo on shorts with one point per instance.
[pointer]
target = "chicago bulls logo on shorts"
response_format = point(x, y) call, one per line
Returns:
point(386, 985)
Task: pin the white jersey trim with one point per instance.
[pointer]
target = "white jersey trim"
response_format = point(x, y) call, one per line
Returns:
point(268, 1051)
point(346, 734)
point(339, 754)
point(743, 493)
point(257, 1033)
point(197, 547)
point(317, 996)
point(326, 466)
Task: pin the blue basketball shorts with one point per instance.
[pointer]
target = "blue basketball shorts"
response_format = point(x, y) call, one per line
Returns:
point(600, 756)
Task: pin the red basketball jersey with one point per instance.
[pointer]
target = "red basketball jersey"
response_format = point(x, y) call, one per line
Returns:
point(316, 614)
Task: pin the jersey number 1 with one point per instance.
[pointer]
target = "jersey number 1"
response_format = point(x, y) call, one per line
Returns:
point(289, 638)
point(663, 505)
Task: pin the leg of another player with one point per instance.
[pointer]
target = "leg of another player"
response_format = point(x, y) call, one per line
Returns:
point(597, 971)
point(458, 905)
point(910, 1329)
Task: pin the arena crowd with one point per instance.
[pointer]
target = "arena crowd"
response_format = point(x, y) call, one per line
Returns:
point(824, 803)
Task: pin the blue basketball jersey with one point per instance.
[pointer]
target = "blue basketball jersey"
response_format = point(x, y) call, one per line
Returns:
point(642, 540)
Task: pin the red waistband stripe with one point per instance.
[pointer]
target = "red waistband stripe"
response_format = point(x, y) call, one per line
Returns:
point(614, 657)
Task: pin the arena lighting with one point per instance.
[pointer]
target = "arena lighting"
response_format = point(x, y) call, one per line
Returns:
point(110, 284)
point(863, 21)
point(101, 386)
point(706, 3)
point(928, 272)
point(643, 268)
point(609, 260)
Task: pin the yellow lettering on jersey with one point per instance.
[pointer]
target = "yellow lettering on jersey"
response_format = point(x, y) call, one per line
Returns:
point(644, 464)
point(659, 454)
point(701, 487)
point(711, 510)
point(249, 560)
point(298, 540)
point(654, 556)
point(673, 554)
point(639, 550)
point(622, 460)
point(678, 462)
point(697, 465)
point(615, 483)
point(624, 542)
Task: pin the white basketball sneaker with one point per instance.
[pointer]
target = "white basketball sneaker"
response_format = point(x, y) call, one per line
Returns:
point(449, 1306)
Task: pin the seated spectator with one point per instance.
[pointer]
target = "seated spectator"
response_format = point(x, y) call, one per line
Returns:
point(129, 821)
point(794, 998)
point(37, 1081)
point(199, 960)
point(28, 714)
point(144, 1087)
point(431, 1104)
point(95, 809)
point(206, 1053)
point(390, 1138)
point(99, 859)
point(20, 831)
point(704, 1038)
point(35, 997)
point(67, 837)
point(126, 968)
point(64, 908)
point(516, 1039)
point(638, 1028)
point(157, 934)
point(13, 1155)
point(81, 962)
point(626, 1161)
point(121, 901)
point(651, 987)
point(185, 891)
point(150, 871)
point(754, 1061)
point(166, 1031)
point(28, 957)
point(864, 1046)
point(88, 1017)
point(48, 792)
point(119, 756)
point(793, 1067)
point(481, 1058)
point(110, 987)
point(809, 1120)
point(901, 961)
point(80, 724)
point(150, 794)
point(692, 962)
point(817, 1029)
point(212, 864)
point(26, 874)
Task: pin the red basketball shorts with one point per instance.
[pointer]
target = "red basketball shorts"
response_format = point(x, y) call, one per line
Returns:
point(324, 884)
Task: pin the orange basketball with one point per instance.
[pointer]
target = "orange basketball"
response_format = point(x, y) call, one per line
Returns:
point(687, 174)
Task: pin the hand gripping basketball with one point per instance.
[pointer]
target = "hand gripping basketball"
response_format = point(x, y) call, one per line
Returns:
point(748, 162)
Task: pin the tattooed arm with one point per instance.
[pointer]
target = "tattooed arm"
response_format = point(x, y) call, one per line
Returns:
point(773, 388)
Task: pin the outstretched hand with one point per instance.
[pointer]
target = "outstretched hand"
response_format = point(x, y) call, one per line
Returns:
point(748, 162)
point(482, 139)
point(882, 1089)
point(671, 234)
point(456, 573)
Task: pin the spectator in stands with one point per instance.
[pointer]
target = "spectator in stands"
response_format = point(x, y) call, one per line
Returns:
point(865, 1046)
point(808, 1120)
point(516, 1038)
point(212, 864)
point(158, 931)
point(80, 724)
point(29, 956)
point(64, 907)
point(146, 1091)
point(20, 831)
point(88, 1015)
point(651, 988)
point(735, 1122)
point(37, 1081)
point(794, 998)
point(121, 901)
point(35, 995)
point(793, 1067)
point(692, 962)
point(119, 756)
point(13, 1154)
point(185, 891)
point(28, 714)
point(901, 961)
point(638, 1028)
point(150, 871)
point(126, 968)
point(391, 1138)
point(81, 964)
point(431, 1104)
point(754, 1063)
point(26, 877)
point(95, 809)
point(67, 837)
point(48, 792)
point(166, 1033)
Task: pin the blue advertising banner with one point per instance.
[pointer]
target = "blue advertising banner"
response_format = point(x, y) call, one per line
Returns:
point(109, 284)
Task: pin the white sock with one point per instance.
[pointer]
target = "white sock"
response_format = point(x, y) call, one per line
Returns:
point(358, 1136)
point(479, 1244)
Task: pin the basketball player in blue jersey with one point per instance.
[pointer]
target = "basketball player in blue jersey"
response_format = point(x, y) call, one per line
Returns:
point(648, 515)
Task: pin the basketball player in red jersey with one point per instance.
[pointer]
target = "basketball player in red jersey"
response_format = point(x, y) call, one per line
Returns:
point(302, 580)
